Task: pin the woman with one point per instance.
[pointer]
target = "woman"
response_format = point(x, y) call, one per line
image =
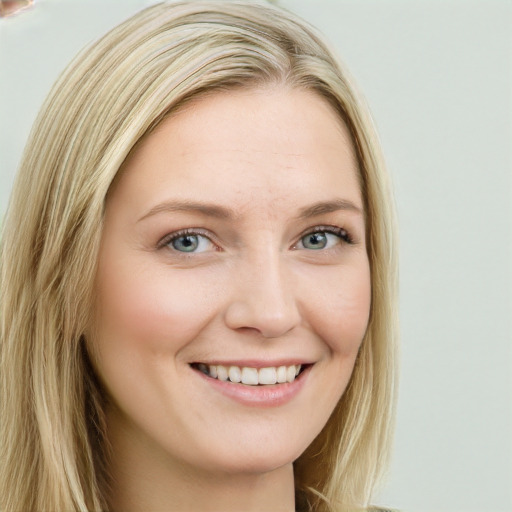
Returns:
point(198, 276)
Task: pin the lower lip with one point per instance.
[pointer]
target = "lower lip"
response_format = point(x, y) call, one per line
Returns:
point(259, 396)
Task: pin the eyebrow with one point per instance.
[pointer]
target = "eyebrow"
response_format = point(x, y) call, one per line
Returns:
point(323, 207)
point(223, 212)
point(207, 209)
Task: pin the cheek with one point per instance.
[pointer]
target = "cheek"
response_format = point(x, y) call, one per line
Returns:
point(340, 308)
point(151, 310)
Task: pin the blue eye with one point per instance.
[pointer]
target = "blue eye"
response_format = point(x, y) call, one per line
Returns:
point(189, 242)
point(318, 240)
point(314, 241)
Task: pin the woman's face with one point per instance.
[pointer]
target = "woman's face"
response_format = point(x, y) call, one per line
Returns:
point(233, 246)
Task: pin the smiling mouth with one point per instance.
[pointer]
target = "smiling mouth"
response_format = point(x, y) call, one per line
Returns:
point(251, 376)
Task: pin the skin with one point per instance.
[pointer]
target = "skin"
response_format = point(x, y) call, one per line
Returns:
point(254, 289)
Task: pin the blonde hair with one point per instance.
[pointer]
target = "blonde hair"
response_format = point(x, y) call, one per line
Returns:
point(114, 93)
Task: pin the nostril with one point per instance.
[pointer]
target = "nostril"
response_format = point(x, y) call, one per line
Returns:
point(251, 316)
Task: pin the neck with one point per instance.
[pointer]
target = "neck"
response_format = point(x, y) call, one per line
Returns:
point(144, 480)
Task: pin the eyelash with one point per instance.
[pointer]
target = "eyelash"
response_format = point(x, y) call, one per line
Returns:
point(168, 239)
point(342, 233)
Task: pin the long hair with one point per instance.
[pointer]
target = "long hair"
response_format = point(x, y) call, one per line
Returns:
point(115, 92)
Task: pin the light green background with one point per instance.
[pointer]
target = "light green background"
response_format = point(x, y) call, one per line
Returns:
point(438, 77)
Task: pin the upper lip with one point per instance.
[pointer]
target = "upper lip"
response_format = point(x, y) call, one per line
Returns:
point(257, 363)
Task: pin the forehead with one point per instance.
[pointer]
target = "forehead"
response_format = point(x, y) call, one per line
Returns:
point(245, 146)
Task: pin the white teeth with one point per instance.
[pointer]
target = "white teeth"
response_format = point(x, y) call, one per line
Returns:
point(290, 374)
point(235, 375)
point(281, 374)
point(268, 375)
point(222, 373)
point(252, 376)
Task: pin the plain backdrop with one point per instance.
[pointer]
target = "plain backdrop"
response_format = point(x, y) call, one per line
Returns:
point(437, 75)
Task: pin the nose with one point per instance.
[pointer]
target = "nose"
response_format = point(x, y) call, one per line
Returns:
point(263, 299)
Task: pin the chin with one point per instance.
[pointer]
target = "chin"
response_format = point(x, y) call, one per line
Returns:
point(261, 454)
point(251, 464)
